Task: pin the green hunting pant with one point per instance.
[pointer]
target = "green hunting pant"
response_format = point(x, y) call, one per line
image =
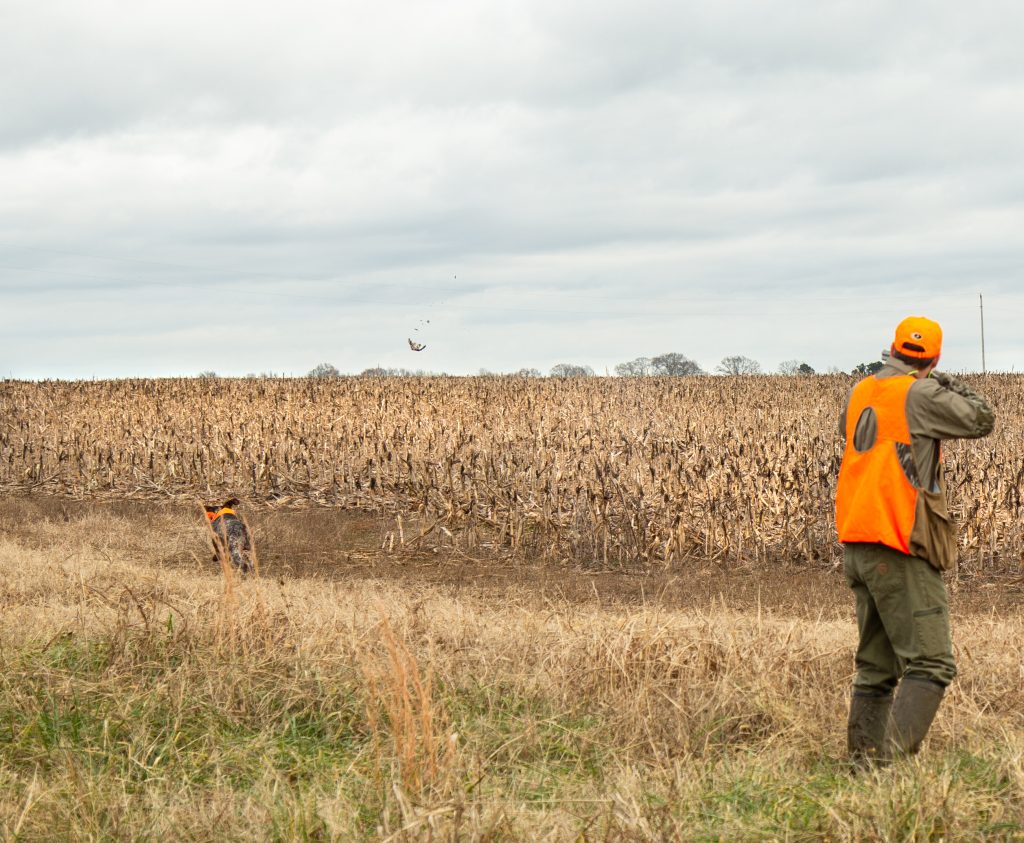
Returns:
point(902, 617)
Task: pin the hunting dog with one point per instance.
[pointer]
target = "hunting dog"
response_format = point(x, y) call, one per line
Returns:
point(231, 541)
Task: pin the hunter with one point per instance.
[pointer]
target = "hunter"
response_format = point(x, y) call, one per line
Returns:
point(898, 538)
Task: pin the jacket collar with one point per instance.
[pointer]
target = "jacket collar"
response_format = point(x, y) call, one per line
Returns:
point(898, 367)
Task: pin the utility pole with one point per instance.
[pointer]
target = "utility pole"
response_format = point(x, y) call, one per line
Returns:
point(981, 309)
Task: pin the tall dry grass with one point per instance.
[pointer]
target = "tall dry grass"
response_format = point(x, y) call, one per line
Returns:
point(644, 472)
point(141, 702)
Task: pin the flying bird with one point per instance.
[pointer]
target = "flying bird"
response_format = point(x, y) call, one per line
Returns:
point(416, 346)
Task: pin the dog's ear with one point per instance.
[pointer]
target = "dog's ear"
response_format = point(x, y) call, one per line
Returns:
point(209, 508)
point(232, 502)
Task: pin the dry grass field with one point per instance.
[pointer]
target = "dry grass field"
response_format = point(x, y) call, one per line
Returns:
point(476, 653)
point(379, 695)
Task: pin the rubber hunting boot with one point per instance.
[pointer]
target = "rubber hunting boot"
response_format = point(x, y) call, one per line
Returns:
point(917, 700)
point(865, 730)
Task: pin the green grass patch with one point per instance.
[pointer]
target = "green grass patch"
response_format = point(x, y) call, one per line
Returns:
point(130, 737)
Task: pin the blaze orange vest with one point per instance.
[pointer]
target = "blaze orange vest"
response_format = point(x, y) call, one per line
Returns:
point(875, 502)
point(213, 516)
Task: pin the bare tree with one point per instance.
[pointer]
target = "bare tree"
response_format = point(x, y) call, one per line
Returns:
point(795, 367)
point(674, 363)
point(738, 365)
point(528, 373)
point(209, 373)
point(400, 372)
point(571, 370)
point(324, 370)
point(634, 368)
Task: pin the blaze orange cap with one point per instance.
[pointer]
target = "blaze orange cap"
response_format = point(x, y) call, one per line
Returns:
point(918, 337)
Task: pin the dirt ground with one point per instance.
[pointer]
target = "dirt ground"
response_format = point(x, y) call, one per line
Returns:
point(336, 544)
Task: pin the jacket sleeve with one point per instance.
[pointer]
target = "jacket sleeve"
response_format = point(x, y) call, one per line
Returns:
point(942, 407)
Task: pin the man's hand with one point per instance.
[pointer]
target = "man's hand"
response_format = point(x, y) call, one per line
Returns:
point(984, 417)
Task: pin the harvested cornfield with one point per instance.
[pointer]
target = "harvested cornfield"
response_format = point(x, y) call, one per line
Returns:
point(599, 471)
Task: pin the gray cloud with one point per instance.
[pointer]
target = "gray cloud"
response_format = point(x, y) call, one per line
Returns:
point(554, 182)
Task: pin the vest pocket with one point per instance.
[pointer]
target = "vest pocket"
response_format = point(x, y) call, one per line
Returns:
point(931, 626)
point(934, 534)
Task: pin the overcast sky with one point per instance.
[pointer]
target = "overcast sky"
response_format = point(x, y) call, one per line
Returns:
point(255, 186)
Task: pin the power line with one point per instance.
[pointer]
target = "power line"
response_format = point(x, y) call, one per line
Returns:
point(981, 308)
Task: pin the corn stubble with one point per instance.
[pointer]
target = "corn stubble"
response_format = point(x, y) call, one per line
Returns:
point(643, 471)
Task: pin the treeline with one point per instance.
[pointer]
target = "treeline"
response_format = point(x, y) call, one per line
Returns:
point(672, 364)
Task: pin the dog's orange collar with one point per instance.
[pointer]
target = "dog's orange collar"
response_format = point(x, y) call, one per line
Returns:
point(213, 516)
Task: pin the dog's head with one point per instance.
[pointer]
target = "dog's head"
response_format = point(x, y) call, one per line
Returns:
point(211, 511)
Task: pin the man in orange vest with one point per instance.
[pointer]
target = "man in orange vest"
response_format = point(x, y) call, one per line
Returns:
point(898, 537)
